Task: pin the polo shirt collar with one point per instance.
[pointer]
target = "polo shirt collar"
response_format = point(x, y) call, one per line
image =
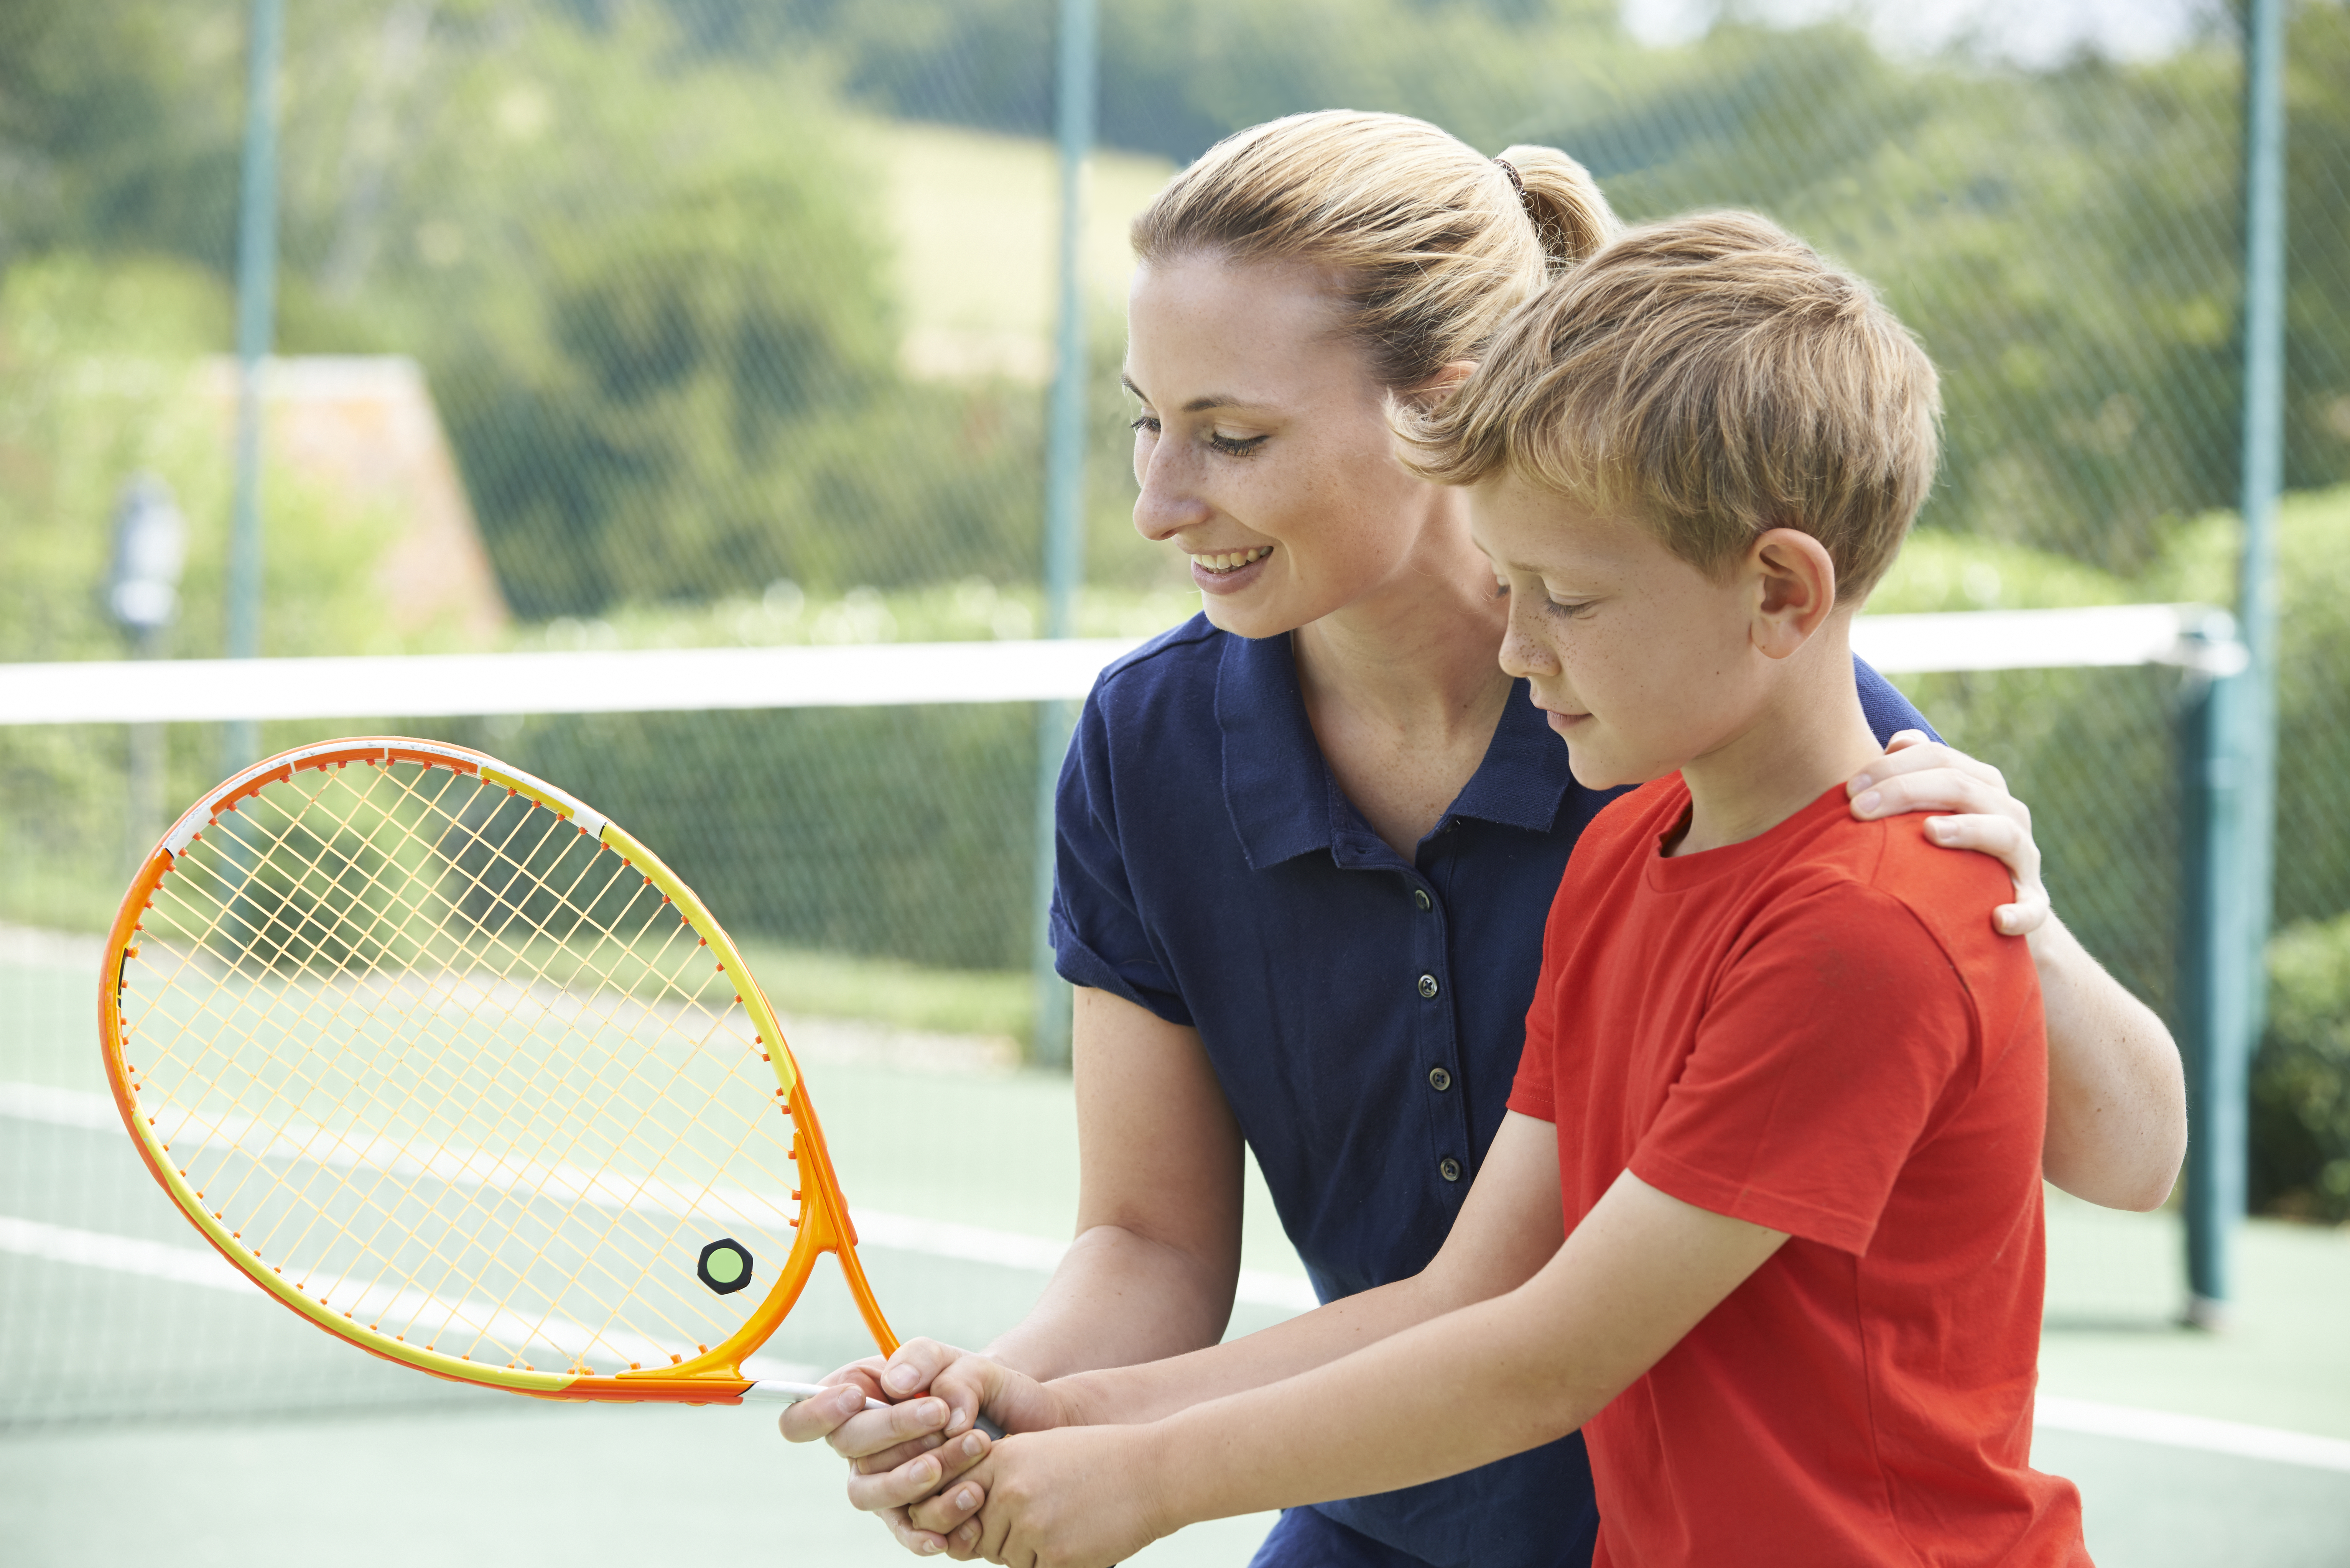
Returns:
point(1280, 795)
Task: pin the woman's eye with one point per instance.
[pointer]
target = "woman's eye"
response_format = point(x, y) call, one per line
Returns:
point(1235, 446)
point(1144, 422)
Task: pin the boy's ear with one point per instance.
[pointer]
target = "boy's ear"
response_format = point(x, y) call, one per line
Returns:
point(1792, 578)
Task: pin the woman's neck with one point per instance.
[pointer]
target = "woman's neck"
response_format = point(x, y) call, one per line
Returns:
point(1419, 652)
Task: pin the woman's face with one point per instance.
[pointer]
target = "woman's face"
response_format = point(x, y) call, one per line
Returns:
point(1262, 447)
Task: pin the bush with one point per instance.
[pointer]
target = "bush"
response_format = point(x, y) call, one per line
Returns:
point(2300, 1078)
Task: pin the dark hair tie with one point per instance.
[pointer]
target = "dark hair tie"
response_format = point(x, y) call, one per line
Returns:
point(1515, 183)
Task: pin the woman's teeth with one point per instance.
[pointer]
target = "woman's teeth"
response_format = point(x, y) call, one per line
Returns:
point(1232, 561)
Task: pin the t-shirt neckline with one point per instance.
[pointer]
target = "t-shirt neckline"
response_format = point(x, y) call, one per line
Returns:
point(1678, 873)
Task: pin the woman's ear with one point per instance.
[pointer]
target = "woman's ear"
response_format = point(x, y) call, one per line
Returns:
point(1793, 582)
point(1442, 385)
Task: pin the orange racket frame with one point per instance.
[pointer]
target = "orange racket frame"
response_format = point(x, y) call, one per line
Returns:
point(715, 1376)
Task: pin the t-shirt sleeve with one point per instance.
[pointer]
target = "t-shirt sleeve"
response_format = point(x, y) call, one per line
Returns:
point(1830, 1046)
point(1889, 712)
point(1095, 924)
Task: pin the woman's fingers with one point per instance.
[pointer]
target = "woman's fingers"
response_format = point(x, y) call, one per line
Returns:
point(847, 1391)
point(909, 1370)
point(2009, 842)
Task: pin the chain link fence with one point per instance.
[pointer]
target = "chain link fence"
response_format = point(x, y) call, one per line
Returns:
point(677, 322)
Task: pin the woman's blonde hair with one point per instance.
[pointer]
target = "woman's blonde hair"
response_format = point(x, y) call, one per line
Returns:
point(1430, 244)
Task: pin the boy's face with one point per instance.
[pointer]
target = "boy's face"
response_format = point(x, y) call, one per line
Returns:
point(1643, 662)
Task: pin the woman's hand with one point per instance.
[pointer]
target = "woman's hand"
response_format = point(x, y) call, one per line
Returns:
point(1080, 1498)
point(1919, 775)
point(898, 1456)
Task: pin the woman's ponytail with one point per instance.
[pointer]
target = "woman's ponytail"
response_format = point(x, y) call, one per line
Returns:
point(1429, 243)
point(1570, 216)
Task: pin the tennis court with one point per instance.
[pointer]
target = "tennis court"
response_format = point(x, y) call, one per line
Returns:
point(136, 1367)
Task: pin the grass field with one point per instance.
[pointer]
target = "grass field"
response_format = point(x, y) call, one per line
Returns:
point(245, 1436)
point(974, 308)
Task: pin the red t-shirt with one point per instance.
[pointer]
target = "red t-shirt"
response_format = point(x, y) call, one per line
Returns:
point(1815, 1031)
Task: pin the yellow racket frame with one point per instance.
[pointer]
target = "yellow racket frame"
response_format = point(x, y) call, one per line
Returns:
point(712, 1377)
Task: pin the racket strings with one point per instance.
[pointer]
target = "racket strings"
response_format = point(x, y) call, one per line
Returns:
point(606, 1113)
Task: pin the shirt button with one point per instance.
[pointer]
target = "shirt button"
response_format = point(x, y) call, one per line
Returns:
point(1448, 1168)
point(1420, 896)
point(1438, 1079)
point(1428, 986)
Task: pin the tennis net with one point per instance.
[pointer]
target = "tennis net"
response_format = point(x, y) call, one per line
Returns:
point(862, 818)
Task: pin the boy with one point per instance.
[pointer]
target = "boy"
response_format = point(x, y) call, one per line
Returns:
point(1764, 1220)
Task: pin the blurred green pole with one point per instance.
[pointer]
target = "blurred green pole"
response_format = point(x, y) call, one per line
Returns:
point(1064, 493)
point(256, 292)
point(2242, 717)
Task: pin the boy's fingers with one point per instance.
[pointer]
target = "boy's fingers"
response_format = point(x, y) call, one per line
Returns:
point(915, 1480)
point(951, 1509)
point(963, 1545)
point(920, 1542)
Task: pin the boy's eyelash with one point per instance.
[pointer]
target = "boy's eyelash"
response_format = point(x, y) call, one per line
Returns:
point(1570, 608)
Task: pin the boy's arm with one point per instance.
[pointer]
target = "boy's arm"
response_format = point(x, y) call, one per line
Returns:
point(1481, 1383)
point(2117, 1095)
point(1509, 1226)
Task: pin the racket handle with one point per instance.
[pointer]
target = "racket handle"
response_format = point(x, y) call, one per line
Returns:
point(768, 1389)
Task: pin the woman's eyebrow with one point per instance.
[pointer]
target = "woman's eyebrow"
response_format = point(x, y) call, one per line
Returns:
point(1199, 405)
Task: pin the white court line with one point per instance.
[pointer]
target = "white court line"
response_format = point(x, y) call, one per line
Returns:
point(875, 1228)
point(509, 1330)
point(2199, 1432)
point(185, 1265)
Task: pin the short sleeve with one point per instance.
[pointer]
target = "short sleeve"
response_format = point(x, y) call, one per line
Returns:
point(1833, 1044)
point(1095, 926)
point(1889, 712)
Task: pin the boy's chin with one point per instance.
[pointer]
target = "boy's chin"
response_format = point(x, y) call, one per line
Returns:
point(1595, 768)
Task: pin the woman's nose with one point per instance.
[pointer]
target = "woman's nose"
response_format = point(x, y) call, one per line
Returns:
point(1166, 503)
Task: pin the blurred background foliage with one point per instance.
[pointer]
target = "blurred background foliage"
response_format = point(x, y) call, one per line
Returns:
point(734, 313)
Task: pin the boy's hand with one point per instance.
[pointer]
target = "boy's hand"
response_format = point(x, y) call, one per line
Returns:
point(1919, 775)
point(1070, 1499)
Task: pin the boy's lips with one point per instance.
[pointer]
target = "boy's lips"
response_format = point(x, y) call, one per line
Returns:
point(1561, 719)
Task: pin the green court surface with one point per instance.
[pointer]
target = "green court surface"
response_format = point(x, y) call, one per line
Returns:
point(144, 1418)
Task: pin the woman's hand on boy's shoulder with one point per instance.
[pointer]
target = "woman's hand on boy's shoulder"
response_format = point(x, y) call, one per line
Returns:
point(1916, 774)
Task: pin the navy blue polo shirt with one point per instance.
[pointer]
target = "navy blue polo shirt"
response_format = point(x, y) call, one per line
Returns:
point(1363, 1012)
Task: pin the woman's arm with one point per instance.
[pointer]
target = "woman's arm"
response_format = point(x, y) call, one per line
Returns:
point(2116, 1094)
point(1158, 1251)
point(1151, 1275)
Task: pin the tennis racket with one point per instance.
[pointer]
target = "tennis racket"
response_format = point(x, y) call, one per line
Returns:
point(459, 1071)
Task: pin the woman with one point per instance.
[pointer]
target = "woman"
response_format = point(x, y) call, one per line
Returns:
point(1308, 840)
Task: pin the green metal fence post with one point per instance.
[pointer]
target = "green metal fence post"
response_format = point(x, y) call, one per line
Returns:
point(2214, 976)
point(1064, 493)
point(2238, 719)
point(257, 293)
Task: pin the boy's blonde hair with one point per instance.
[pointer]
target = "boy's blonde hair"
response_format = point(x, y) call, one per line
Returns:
point(1711, 377)
point(1429, 243)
